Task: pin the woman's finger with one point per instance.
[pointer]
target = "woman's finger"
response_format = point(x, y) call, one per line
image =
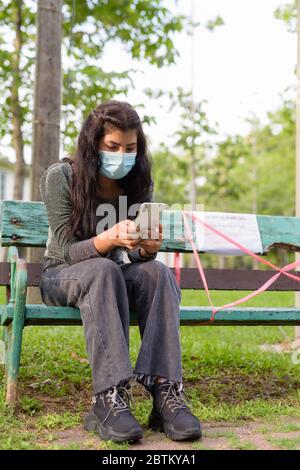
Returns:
point(131, 242)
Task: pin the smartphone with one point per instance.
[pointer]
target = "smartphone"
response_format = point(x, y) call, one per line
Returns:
point(149, 217)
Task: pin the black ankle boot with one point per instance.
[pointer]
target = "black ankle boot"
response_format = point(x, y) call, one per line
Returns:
point(112, 418)
point(170, 413)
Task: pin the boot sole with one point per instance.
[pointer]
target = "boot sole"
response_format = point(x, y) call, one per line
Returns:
point(92, 424)
point(156, 423)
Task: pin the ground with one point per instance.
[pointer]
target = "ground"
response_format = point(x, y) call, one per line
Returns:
point(216, 436)
point(246, 396)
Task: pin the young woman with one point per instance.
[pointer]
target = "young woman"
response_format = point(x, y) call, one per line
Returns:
point(84, 267)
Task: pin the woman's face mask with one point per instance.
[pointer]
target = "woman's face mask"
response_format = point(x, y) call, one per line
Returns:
point(116, 165)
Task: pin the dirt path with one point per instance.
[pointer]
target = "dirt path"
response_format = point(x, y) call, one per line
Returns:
point(218, 436)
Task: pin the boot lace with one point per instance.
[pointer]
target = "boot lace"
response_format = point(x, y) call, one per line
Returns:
point(126, 394)
point(118, 397)
point(176, 398)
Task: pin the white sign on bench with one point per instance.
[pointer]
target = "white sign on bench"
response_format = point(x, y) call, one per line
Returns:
point(242, 228)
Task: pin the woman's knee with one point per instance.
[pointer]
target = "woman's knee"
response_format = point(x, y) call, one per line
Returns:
point(153, 270)
point(98, 268)
point(164, 272)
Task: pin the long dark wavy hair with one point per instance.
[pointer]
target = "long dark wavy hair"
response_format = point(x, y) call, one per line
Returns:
point(85, 163)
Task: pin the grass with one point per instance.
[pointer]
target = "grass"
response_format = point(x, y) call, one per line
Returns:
point(227, 377)
point(234, 443)
point(237, 444)
point(58, 421)
point(279, 427)
point(286, 444)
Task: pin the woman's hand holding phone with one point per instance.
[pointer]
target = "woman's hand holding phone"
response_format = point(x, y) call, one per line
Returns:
point(123, 234)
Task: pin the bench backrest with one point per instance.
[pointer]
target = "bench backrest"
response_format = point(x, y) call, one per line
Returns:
point(25, 223)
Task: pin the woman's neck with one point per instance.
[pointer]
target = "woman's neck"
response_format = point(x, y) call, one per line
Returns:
point(108, 187)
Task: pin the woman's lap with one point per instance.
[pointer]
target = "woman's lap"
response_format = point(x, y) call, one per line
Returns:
point(59, 282)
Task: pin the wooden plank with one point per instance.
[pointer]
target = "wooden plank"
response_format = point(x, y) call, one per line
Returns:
point(6, 314)
point(274, 231)
point(218, 279)
point(245, 316)
point(25, 223)
point(281, 231)
point(4, 273)
point(236, 279)
point(43, 315)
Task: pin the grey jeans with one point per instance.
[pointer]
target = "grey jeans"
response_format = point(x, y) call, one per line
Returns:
point(104, 291)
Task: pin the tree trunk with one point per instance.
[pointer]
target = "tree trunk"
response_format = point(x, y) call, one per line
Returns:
point(47, 103)
point(17, 118)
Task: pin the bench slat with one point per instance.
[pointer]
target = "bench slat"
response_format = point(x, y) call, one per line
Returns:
point(44, 315)
point(218, 279)
point(25, 223)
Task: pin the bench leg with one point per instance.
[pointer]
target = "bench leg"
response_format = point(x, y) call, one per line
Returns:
point(7, 333)
point(13, 365)
point(15, 333)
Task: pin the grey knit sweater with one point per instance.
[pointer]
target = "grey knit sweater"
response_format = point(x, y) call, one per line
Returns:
point(55, 186)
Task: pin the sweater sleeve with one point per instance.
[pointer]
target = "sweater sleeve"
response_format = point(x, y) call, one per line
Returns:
point(134, 255)
point(55, 192)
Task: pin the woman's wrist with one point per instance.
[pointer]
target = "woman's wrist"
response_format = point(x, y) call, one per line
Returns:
point(104, 243)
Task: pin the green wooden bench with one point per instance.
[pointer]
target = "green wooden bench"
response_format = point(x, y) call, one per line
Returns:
point(26, 224)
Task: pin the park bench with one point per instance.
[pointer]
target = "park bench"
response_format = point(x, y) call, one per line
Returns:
point(25, 224)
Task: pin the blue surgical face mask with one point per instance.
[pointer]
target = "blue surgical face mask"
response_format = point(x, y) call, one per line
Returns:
point(116, 165)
